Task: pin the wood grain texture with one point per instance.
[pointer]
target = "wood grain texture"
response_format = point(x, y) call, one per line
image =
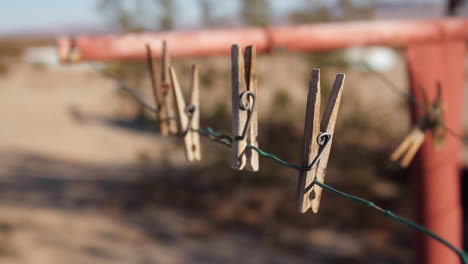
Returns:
point(252, 158)
point(161, 115)
point(183, 119)
point(238, 159)
point(168, 92)
point(328, 125)
point(309, 146)
point(195, 148)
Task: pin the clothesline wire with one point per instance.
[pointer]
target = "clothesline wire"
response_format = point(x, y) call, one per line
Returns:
point(227, 140)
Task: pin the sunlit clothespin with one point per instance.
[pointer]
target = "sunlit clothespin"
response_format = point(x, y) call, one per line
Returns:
point(431, 121)
point(317, 139)
point(188, 115)
point(167, 92)
point(159, 95)
point(244, 111)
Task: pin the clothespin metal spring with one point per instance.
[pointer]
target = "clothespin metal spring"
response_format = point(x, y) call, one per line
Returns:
point(190, 111)
point(323, 139)
point(249, 106)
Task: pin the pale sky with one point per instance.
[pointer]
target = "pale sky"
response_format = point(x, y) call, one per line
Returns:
point(20, 15)
point(30, 15)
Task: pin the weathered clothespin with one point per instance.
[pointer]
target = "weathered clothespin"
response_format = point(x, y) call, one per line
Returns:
point(73, 55)
point(166, 89)
point(188, 115)
point(317, 141)
point(244, 111)
point(159, 96)
point(436, 118)
point(432, 120)
point(409, 147)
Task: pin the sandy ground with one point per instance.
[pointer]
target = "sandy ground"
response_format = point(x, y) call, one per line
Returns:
point(67, 114)
point(61, 146)
point(65, 138)
point(39, 235)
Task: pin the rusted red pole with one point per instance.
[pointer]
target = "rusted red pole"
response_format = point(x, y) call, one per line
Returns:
point(310, 37)
point(438, 171)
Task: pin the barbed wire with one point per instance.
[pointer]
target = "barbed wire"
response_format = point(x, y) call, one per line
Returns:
point(227, 141)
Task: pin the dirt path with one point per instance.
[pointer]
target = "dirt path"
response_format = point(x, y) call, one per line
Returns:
point(68, 114)
point(62, 153)
point(68, 155)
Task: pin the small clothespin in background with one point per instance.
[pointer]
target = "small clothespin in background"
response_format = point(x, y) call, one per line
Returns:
point(158, 94)
point(188, 115)
point(436, 118)
point(432, 120)
point(317, 141)
point(73, 54)
point(244, 112)
point(166, 90)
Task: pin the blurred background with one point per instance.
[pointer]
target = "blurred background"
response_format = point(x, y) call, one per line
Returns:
point(85, 176)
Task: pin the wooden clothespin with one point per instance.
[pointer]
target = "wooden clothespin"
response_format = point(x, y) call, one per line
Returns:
point(431, 121)
point(166, 89)
point(188, 115)
point(409, 147)
point(436, 118)
point(159, 95)
point(73, 55)
point(317, 141)
point(244, 111)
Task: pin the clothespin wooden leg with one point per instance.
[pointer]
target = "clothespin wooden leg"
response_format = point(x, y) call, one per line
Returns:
point(416, 142)
point(409, 147)
point(238, 117)
point(161, 114)
point(316, 144)
point(168, 93)
point(183, 119)
point(328, 126)
point(252, 160)
point(244, 113)
point(403, 147)
point(309, 147)
point(195, 101)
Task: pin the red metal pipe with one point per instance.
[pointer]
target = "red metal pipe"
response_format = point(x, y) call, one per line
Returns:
point(321, 37)
point(181, 44)
point(438, 171)
point(310, 37)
